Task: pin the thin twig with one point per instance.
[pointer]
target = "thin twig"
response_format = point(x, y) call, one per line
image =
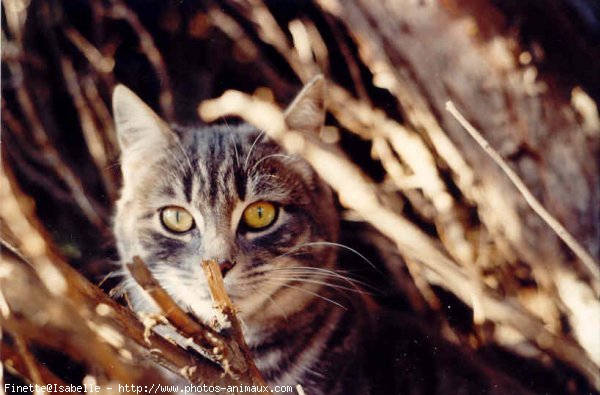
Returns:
point(367, 121)
point(91, 133)
point(569, 240)
point(104, 117)
point(223, 303)
point(120, 10)
point(203, 335)
point(24, 98)
point(29, 361)
point(14, 361)
point(95, 58)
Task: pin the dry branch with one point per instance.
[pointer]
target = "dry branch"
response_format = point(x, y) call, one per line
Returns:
point(91, 133)
point(589, 263)
point(230, 352)
point(17, 360)
point(42, 318)
point(119, 10)
point(223, 304)
point(39, 133)
point(203, 335)
point(420, 162)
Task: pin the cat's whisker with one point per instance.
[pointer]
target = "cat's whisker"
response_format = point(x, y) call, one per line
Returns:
point(252, 148)
point(312, 275)
point(268, 176)
point(315, 295)
point(185, 155)
point(111, 274)
point(332, 273)
point(113, 165)
point(323, 283)
point(330, 282)
point(309, 292)
point(332, 244)
point(311, 279)
point(241, 319)
point(270, 156)
point(120, 272)
point(294, 254)
point(293, 250)
point(237, 156)
point(118, 290)
point(308, 277)
point(277, 305)
point(316, 373)
point(325, 278)
point(336, 274)
point(262, 176)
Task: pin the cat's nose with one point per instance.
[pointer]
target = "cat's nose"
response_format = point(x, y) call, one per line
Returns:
point(225, 265)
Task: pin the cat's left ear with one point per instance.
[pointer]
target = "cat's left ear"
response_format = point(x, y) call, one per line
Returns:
point(139, 129)
point(307, 111)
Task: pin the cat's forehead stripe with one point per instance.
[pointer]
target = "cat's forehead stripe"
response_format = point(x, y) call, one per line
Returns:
point(215, 167)
point(187, 184)
point(240, 184)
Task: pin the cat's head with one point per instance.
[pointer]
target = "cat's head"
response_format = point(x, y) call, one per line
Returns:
point(227, 193)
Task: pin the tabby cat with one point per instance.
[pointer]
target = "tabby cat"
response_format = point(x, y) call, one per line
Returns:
point(233, 195)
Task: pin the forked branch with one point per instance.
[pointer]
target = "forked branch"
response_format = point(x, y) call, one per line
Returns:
point(228, 350)
point(223, 303)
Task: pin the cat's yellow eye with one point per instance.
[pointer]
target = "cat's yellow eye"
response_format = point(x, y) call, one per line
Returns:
point(259, 215)
point(176, 219)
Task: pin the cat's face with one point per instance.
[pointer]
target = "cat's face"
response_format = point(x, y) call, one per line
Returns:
point(228, 194)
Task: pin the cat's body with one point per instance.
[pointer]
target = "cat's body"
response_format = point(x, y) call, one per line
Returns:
point(303, 320)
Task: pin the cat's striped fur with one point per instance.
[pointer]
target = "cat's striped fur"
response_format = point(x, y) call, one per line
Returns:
point(303, 319)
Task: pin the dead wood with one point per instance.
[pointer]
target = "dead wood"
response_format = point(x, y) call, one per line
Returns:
point(224, 305)
point(229, 351)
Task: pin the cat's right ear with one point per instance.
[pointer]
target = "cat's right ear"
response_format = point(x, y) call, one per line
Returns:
point(139, 129)
point(307, 111)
